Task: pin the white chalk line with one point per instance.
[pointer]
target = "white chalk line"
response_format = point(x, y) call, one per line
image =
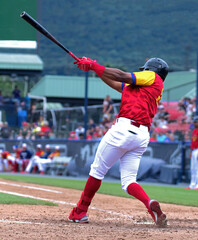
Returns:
point(34, 223)
point(30, 187)
point(74, 204)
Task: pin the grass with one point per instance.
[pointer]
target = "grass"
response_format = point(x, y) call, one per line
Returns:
point(174, 195)
point(12, 199)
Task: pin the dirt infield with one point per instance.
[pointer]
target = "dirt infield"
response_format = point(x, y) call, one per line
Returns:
point(110, 217)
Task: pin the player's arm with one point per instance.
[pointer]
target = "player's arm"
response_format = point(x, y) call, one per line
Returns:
point(113, 77)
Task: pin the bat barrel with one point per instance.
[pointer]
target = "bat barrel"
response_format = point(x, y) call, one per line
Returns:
point(44, 31)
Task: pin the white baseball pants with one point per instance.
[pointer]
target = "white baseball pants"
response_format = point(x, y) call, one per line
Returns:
point(125, 142)
point(194, 169)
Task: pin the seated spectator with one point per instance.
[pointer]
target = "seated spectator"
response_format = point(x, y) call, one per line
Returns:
point(161, 136)
point(79, 129)
point(107, 106)
point(40, 121)
point(25, 128)
point(153, 137)
point(162, 123)
point(169, 136)
point(72, 136)
point(45, 130)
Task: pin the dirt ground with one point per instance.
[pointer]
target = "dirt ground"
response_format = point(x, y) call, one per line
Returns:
point(110, 217)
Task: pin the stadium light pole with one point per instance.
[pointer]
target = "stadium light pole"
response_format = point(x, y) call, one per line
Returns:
point(86, 103)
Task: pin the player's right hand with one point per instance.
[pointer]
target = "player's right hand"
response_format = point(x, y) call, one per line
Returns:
point(85, 63)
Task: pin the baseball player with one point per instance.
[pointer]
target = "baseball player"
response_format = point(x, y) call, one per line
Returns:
point(127, 140)
point(34, 160)
point(42, 161)
point(14, 158)
point(24, 158)
point(194, 156)
point(4, 162)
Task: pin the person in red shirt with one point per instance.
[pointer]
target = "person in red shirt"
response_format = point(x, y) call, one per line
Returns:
point(128, 138)
point(194, 156)
point(72, 136)
point(4, 160)
point(14, 159)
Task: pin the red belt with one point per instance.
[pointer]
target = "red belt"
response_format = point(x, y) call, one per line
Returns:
point(138, 125)
point(135, 124)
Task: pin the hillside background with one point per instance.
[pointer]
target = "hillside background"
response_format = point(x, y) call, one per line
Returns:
point(119, 33)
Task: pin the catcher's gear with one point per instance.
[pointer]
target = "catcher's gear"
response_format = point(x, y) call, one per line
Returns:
point(156, 65)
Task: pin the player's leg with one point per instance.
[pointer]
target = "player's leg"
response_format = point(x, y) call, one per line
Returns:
point(5, 163)
point(106, 156)
point(1, 165)
point(193, 169)
point(31, 164)
point(41, 164)
point(196, 169)
point(129, 168)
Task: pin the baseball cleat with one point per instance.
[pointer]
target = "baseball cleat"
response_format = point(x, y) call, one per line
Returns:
point(158, 216)
point(78, 217)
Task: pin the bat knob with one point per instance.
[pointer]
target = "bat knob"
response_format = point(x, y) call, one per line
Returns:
point(22, 14)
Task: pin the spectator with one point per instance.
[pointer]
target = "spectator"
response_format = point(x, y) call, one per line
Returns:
point(16, 95)
point(45, 130)
point(25, 128)
point(72, 136)
point(1, 98)
point(5, 131)
point(169, 136)
point(161, 136)
point(22, 116)
point(107, 106)
point(80, 129)
point(162, 123)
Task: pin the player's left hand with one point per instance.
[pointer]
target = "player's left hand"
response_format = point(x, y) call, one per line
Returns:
point(85, 63)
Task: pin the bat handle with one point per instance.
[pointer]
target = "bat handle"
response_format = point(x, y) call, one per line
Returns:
point(74, 56)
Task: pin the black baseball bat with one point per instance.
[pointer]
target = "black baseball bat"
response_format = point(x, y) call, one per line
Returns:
point(44, 31)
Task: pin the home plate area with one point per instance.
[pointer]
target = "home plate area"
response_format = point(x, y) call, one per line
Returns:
point(110, 217)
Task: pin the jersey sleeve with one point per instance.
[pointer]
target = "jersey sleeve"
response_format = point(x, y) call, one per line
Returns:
point(144, 78)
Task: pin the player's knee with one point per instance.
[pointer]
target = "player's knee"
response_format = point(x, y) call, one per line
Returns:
point(126, 182)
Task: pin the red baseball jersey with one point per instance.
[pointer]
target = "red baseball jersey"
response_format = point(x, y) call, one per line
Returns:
point(194, 139)
point(39, 153)
point(140, 99)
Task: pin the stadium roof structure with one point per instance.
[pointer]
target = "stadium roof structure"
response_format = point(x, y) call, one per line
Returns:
point(176, 86)
point(72, 87)
point(179, 84)
point(20, 63)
